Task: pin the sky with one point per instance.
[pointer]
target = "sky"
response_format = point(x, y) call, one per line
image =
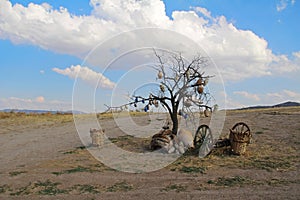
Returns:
point(44, 45)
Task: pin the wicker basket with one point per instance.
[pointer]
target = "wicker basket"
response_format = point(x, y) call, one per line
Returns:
point(239, 142)
point(238, 148)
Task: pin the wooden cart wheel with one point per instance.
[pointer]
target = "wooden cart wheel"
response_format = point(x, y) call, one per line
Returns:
point(203, 140)
point(239, 137)
point(241, 128)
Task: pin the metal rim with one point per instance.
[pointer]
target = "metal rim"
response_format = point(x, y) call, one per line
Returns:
point(203, 140)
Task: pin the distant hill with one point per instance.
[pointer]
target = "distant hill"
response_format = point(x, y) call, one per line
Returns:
point(41, 111)
point(285, 104)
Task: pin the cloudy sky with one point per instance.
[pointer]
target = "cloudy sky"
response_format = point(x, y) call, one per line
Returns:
point(44, 44)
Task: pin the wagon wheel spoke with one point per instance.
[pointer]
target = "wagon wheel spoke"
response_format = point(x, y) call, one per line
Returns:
point(200, 135)
point(240, 127)
point(203, 140)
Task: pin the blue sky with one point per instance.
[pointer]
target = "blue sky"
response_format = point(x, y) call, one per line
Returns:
point(36, 60)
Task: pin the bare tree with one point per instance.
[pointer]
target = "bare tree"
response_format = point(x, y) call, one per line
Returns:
point(181, 84)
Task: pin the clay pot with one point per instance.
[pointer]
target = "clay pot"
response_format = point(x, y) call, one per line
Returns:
point(187, 74)
point(199, 81)
point(162, 88)
point(187, 103)
point(160, 75)
point(200, 89)
point(206, 113)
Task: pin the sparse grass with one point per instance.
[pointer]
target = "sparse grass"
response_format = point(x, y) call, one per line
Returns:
point(91, 168)
point(22, 190)
point(86, 189)
point(130, 143)
point(40, 187)
point(189, 163)
point(81, 147)
point(49, 188)
point(243, 181)
point(15, 173)
point(270, 165)
point(74, 170)
point(259, 132)
point(4, 188)
point(120, 186)
point(110, 115)
point(4, 115)
point(276, 182)
point(121, 138)
point(74, 151)
point(230, 181)
point(17, 121)
point(193, 169)
point(70, 152)
point(175, 187)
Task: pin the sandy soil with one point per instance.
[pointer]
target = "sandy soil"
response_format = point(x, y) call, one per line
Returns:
point(44, 158)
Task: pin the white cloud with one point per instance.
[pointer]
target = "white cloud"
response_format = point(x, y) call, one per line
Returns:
point(42, 72)
point(281, 96)
point(248, 95)
point(203, 11)
point(297, 55)
point(38, 103)
point(269, 98)
point(284, 64)
point(282, 5)
point(275, 95)
point(240, 54)
point(232, 104)
point(86, 74)
point(241, 99)
point(40, 99)
point(292, 94)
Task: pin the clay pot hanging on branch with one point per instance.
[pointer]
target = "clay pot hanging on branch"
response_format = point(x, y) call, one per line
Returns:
point(206, 113)
point(155, 102)
point(162, 88)
point(199, 81)
point(188, 103)
point(146, 108)
point(200, 89)
point(187, 74)
point(160, 75)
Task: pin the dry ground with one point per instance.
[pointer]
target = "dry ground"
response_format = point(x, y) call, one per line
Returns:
point(42, 157)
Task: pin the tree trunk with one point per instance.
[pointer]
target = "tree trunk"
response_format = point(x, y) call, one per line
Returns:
point(175, 123)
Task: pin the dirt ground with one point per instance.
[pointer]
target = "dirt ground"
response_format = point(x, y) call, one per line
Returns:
point(43, 157)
